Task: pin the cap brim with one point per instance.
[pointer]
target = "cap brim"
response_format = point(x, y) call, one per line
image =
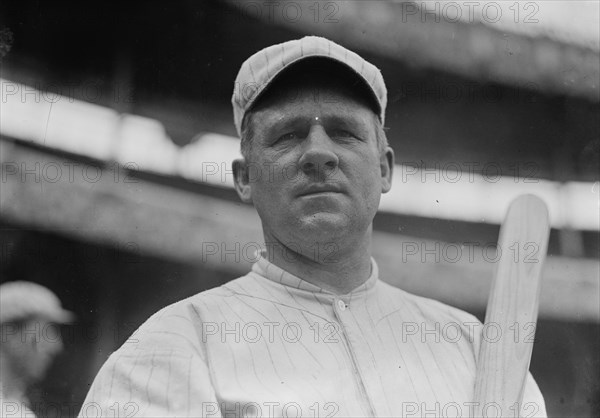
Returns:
point(297, 64)
point(63, 317)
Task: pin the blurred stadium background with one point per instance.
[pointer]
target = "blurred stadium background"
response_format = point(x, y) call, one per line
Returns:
point(117, 136)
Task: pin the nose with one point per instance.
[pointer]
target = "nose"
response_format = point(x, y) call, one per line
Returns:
point(318, 156)
point(58, 347)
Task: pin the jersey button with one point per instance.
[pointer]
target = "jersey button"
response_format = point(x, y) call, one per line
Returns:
point(341, 305)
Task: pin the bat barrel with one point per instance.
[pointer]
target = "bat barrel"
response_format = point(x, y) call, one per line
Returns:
point(511, 314)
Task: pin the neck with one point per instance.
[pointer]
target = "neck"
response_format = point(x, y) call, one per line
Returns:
point(336, 267)
point(13, 386)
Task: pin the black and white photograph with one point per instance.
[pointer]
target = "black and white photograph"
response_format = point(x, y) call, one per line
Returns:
point(308, 208)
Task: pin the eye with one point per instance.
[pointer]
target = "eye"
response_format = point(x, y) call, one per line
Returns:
point(341, 134)
point(288, 136)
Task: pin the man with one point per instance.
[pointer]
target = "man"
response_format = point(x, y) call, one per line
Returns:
point(29, 342)
point(311, 330)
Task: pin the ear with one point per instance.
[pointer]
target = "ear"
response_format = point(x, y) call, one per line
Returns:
point(386, 164)
point(241, 179)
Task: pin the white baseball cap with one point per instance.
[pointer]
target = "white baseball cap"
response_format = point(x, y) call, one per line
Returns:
point(262, 68)
point(21, 300)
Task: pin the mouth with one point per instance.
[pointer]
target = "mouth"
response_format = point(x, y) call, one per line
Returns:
point(320, 190)
point(316, 194)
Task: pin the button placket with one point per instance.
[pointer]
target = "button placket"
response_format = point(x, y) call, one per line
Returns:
point(346, 325)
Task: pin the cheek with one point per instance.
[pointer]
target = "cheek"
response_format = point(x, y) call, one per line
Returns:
point(365, 171)
point(370, 185)
point(274, 173)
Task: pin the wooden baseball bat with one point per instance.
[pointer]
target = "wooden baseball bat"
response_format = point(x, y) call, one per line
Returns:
point(511, 314)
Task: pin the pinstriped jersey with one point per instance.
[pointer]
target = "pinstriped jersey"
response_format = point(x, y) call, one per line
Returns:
point(271, 344)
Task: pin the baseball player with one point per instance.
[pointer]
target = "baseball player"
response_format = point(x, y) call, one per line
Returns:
point(311, 330)
point(29, 341)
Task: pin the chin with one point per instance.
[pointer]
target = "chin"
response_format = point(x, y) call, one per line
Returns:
point(326, 224)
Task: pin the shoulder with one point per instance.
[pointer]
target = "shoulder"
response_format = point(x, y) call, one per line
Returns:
point(176, 325)
point(10, 406)
point(429, 309)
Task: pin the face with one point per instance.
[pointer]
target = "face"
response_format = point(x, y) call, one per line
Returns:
point(33, 349)
point(314, 173)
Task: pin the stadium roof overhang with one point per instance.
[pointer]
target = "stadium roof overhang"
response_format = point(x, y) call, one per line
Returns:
point(546, 46)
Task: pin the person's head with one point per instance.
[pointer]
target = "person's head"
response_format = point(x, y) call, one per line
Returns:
point(30, 338)
point(315, 153)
